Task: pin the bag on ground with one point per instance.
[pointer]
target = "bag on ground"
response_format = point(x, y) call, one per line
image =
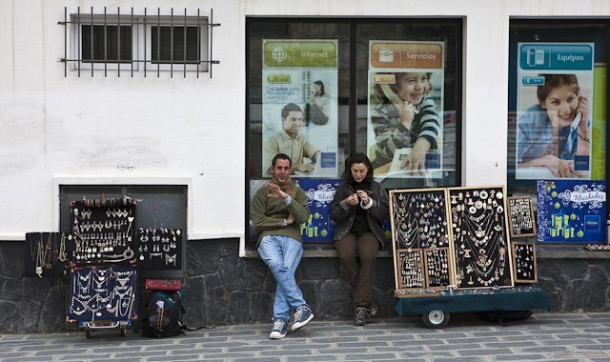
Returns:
point(163, 316)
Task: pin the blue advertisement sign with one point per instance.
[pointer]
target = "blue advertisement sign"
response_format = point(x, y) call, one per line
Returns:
point(555, 56)
point(571, 211)
point(320, 193)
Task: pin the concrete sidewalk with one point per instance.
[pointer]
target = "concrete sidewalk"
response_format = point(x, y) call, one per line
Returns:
point(545, 336)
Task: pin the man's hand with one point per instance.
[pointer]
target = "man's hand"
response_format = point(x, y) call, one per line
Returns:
point(275, 191)
point(289, 220)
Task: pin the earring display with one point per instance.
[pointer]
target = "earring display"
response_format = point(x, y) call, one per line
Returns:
point(103, 294)
point(411, 269)
point(159, 249)
point(521, 217)
point(524, 262)
point(437, 264)
point(103, 231)
point(480, 237)
point(46, 254)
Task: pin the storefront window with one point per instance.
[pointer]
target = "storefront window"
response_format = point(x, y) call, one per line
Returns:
point(321, 89)
point(557, 121)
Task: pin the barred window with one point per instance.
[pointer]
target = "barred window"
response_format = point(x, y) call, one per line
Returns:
point(138, 42)
point(110, 43)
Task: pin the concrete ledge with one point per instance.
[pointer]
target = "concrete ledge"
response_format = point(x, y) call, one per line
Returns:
point(543, 251)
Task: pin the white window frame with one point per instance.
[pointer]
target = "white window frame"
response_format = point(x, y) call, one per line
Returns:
point(76, 40)
point(178, 23)
point(141, 41)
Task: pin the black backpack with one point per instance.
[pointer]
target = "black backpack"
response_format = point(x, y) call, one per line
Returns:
point(163, 316)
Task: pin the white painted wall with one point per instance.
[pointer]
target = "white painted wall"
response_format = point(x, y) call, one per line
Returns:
point(56, 129)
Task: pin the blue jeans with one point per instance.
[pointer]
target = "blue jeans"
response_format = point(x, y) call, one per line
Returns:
point(282, 255)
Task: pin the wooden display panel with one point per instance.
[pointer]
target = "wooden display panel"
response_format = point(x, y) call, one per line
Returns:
point(419, 222)
point(521, 217)
point(480, 237)
point(437, 264)
point(524, 262)
point(411, 269)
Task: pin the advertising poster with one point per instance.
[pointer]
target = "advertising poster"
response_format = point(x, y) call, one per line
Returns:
point(320, 193)
point(405, 128)
point(571, 211)
point(554, 110)
point(299, 111)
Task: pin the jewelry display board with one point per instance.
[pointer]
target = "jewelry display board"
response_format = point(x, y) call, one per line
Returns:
point(419, 218)
point(480, 237)
point(437, 263)
point(524, 262)
point(521, 217)
point(159, 249)
point(410, 269)
point(103, 231)
point(45, 254)
point(103, 294)
point(420, 241)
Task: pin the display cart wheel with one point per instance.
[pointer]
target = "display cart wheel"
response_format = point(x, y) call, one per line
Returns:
point(435, 318)
point(123, 331)
point(88, 333)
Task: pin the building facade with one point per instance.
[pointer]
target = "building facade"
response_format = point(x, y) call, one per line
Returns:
point(174, 103)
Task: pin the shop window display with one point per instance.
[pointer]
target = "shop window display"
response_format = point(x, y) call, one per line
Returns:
point(321, 89)
point(557, 112)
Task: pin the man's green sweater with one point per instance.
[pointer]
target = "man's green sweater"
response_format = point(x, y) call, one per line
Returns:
point(268, 214)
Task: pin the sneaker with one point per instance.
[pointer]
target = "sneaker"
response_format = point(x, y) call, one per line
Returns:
point(301, 317)
point(372, 309)
point(279, 330)
point(360, 316)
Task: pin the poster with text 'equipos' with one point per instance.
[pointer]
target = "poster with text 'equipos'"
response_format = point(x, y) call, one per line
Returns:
point(571, 211)
point(405, 108)
point(554, 110)
point(480, 236)
point(299, 110)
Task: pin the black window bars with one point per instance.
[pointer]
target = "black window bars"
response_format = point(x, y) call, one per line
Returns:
point(137, 24)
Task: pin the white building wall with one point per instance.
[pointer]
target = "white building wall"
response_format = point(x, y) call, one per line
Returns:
point(110, 130)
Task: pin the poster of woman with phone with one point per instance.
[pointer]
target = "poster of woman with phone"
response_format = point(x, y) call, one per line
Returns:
point(403, 115)
point(318, 105)
point(553, 135)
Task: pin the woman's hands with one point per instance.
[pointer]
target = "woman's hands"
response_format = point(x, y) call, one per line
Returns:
point(357, 197)
point(352, 200)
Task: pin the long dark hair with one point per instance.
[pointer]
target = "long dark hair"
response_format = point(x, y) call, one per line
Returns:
point(553, 81)
point(358, 158)
point(319, 82)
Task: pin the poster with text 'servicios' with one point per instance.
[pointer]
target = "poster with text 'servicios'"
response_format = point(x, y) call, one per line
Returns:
point(405, 108)
point(554, 110)
point(299, 111)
